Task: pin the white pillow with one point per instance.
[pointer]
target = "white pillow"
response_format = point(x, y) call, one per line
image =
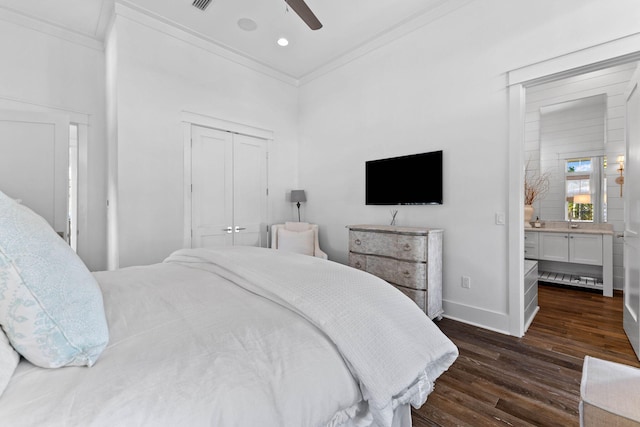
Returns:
point(296, 241)
point(296, 226)
point(8, 361)
point(50, 305)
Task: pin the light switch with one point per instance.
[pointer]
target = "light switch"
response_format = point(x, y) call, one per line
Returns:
point(500, 218)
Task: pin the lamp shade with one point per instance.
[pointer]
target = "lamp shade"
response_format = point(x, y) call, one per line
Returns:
point(582, 199)
point(298, 196)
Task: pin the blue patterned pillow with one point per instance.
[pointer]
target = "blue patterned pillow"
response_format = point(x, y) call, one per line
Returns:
point(50, 304)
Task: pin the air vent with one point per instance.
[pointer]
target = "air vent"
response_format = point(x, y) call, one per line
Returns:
point(201, 4)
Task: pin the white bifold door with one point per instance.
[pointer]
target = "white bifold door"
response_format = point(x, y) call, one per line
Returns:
point(632, 215)
point(228, 189)
point(34, 163)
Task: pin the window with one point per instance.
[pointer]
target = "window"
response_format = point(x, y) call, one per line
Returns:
point(578, 178)
point(72, 224)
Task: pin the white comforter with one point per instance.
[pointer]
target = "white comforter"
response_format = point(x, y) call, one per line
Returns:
point(194, 342)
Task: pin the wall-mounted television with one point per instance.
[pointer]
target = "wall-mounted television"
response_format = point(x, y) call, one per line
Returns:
point(407, 180)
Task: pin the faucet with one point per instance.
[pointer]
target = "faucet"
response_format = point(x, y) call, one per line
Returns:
point(571, 223)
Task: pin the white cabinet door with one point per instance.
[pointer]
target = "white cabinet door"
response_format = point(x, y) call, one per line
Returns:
point(228, 189)
point(531, 244)
point(571, 247)
point(585, 249)
point(554, 247)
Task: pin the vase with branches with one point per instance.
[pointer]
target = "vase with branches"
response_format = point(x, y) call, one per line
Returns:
point(536, 185)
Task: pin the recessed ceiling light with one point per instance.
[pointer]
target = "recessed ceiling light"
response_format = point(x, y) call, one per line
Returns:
point(247, 24)
point(283, 42)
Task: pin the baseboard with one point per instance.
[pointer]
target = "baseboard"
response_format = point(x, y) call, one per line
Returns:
point(486, 319)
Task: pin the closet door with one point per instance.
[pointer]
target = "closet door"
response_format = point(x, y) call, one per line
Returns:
point(228, 189)
point(249, 191)
point(211, 187)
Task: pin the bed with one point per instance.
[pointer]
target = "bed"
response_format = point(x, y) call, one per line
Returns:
point(237, 336)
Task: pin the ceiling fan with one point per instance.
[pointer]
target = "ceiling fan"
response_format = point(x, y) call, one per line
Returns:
point(305, 13)
point(298, 6)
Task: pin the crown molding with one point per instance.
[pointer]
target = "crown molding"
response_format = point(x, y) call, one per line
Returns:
point(608, 54)
point(51, 29)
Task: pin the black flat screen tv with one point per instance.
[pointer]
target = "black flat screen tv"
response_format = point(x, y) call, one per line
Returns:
point(407, 180)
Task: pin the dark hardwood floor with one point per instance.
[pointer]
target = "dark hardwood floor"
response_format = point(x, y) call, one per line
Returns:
point(534, 380)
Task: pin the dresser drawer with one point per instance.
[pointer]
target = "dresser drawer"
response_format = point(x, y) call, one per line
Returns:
point(409, 274)
point(412, 248)
point(418, 296)
point(358, 261)
point(404, 247)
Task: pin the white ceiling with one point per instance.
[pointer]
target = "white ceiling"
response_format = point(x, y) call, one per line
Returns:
point(347, 25)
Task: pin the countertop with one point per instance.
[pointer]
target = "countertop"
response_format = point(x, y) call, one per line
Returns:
point(564, 227)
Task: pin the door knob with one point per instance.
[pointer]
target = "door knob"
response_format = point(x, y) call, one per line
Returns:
point(228, 229)
point(240, 228)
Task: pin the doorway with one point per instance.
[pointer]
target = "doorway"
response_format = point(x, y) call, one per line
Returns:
point(614, 53)
point(574, 133)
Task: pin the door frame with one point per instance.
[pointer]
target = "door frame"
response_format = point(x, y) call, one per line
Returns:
point(189, 119)
point(604, 55)
point(82, 120)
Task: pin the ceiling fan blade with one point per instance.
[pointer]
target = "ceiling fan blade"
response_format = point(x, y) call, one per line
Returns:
point(303, 11)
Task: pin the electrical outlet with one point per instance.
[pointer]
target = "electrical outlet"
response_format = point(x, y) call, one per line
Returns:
point(466, 282)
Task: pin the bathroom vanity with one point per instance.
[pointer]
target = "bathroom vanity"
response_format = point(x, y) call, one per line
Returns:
point(574, 254)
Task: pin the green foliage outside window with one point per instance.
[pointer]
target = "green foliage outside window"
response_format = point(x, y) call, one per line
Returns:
point(581, 211)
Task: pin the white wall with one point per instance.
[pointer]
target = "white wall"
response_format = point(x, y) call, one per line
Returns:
point(160, 73)
point(47, 69)
point(441, 87)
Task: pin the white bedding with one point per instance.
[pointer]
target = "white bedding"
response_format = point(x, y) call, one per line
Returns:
point(189, 347)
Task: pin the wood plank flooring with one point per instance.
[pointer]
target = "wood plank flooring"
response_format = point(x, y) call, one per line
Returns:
point(499, 380)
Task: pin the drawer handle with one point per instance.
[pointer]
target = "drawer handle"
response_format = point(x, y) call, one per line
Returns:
point(358, 265)
point(407, 247)
point(358, 242)
point(406, 274)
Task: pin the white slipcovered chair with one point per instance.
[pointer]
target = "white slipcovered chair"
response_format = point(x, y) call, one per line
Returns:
point(609, 394)
point(299, 237)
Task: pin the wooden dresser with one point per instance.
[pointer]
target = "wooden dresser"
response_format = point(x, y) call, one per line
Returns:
point(410, 258)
